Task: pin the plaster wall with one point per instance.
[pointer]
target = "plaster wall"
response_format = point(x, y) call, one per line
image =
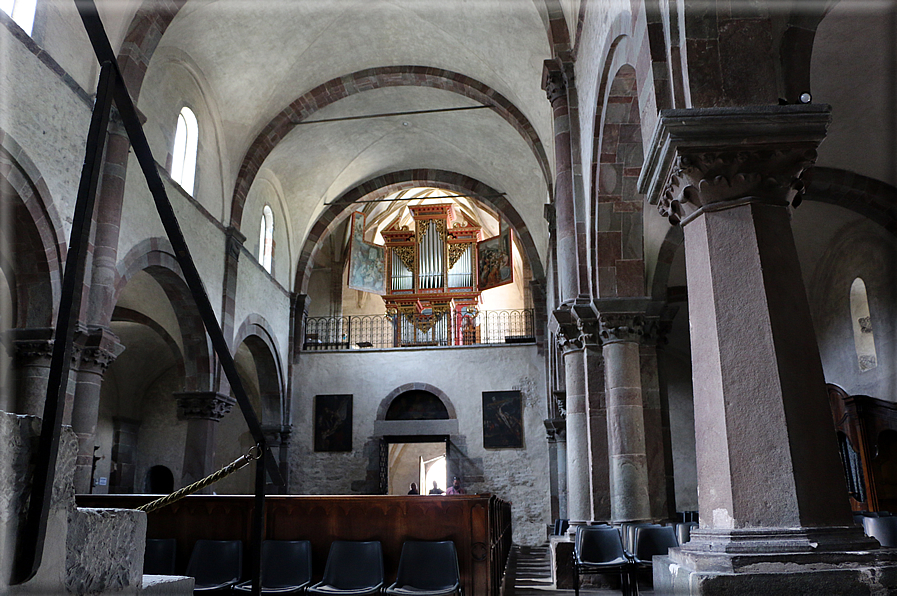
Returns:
point(205, 237)
point(53, 130)
point(267, 191)
point(161, 436)
point(517, 475)
point(862, 249)
point(258, 293)
point(173, 82)
point(59, 31)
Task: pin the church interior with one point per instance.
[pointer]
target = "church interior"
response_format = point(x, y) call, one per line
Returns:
point(603, 261)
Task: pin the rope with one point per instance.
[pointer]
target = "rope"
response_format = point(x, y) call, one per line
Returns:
point(254, 453)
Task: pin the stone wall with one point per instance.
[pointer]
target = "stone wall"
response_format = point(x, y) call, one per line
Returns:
point(461, 374)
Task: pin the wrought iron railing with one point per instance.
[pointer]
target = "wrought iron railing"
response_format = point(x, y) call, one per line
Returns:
point(399, 331)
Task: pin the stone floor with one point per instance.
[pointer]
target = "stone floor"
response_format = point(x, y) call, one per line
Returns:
point(529, 574)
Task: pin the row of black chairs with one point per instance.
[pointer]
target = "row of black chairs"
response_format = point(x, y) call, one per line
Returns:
point(353, 568)
point(605, 549)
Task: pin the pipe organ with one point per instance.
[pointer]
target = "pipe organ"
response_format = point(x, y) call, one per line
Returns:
point(432, 275)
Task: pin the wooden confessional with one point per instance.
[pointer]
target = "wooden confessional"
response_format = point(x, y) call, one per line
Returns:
point(867, 437)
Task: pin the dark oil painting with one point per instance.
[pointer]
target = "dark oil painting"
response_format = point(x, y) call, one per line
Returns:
point(502, 420)
point(333, 423)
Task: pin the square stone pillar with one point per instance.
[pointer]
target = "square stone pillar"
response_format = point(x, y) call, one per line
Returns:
point(772, 498)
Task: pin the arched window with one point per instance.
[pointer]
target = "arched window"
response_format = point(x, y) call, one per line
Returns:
point(266, 239)
point(863, 338)
point(21, 11)
point(183, 156)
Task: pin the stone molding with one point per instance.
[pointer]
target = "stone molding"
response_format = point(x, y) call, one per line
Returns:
point(203, 405)
point(234, 241)
point(709, 159)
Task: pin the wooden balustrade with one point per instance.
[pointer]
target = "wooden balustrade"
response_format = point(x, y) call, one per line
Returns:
point(479, 525)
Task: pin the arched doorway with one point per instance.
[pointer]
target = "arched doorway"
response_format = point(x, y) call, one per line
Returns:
point(415, 448)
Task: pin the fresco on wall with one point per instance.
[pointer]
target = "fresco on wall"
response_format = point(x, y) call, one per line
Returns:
point(367, 262)
point(502, 420)
point(333, 423)
point(494, 260)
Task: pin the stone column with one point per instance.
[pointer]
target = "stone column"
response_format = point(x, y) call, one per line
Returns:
point(577, 425)
point(658, 440)
point(202, 410)
point(557, 464)
point(597, 409)
point(233, 245)
point(99, 348)
point(555, 82)
point(620, 337)
point(772, 494)
point(32, 351)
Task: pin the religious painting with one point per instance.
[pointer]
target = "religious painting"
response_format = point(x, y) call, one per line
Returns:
point(333, 423)
point(502, 420)
point(367, 262)
point(495, 265)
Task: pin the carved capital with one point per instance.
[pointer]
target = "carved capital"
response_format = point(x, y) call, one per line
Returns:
point(656, 332)
point(589, 332)
point(554, 81)
point(710, 159)
point(203, 405)
point(96, 359)
point(713, 180)
point(555, 428)
point(621, 327)
point(33, 351)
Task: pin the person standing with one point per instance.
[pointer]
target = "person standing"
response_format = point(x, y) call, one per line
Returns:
point(436, 490)
point(413, 490)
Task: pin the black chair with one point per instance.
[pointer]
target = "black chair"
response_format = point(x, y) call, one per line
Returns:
point(352, 569)
point(560, 526)
point(216, 565)
point(427, 569)
point(883, 529)
point(629, 530)
point(650, 541)
point(599, 549)
point(683, 531)
point(159, 556)
point(286, 567)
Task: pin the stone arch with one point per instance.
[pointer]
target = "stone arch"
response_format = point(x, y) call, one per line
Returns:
point(155, 256)
point(144, 33)
point(383, 185)
point(258, 336)
point(35, 277)
point(874, 199)
point(384, 405)
point(617, 261)
point(365, 80)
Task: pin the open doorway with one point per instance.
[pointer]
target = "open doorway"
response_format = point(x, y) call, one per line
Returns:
point(422, 462)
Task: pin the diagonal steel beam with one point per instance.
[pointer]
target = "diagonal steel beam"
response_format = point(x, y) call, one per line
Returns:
point(30, 551)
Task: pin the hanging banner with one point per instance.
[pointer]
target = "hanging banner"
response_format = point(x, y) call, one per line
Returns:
point(495, 266)
point(367, 262)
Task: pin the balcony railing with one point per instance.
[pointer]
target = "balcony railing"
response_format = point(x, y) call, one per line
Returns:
point(400, 331)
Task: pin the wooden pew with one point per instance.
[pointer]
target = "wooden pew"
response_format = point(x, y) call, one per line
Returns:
point(479, 525)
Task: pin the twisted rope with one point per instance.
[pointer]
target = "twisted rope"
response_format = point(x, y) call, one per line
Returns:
point(254, 453)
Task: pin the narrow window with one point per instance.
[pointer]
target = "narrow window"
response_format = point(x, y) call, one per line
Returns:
point(21, 11)
point(266, 239)
point(183, 157)
point(863, 338)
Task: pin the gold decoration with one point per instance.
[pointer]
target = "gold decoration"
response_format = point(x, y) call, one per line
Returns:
point(455, 251)
point(421, 228)
point(406, 255)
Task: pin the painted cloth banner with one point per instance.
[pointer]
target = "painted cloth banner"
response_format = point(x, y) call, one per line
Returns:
point(494, 260)
point(367, 262)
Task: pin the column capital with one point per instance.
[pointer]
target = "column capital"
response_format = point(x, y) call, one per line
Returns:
point(555, 80)
point(621, 327)
point(709, 159)
point(30, 345)
point(277, 434)
point(234, 242)
point(555, 428)
point(203, 405)
point(99, 347)
point(571, 324)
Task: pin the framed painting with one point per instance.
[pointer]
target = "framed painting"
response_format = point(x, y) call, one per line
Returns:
point(367, 262)
point(495, 265)
point(502, 420)
point(333, 423)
